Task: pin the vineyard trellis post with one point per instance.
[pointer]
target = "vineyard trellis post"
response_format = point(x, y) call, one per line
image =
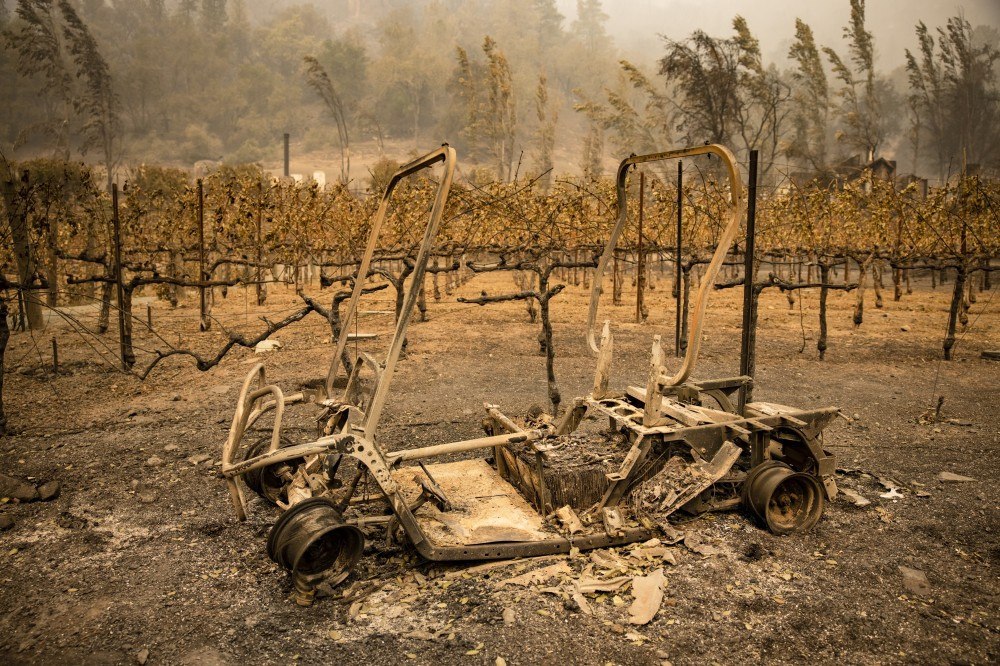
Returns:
point(205, 324)
point(124, 343)
point(639, 279)
point(261, 293)
point(285, 139)
point(748, 341)
point(677, 281)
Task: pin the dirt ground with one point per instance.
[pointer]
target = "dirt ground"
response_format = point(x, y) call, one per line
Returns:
point(141, 556)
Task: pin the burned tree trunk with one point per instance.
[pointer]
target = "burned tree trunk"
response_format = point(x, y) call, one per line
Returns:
point(174, 270)
point(422, 303)
point(859, 305)
point(17, 221)
point(550, 352)
point(128, 353)
point(105, 313)
point(877, 284)
point(957, 296)
point(434, 275)
point(824, 279)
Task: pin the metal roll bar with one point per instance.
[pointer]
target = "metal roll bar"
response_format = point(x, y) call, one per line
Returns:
point(444, 154)
point(725, 241)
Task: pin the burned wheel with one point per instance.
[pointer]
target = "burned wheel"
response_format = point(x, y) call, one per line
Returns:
point(717, 399)
point(267, 481)
point(782, 499)
point(310, 540)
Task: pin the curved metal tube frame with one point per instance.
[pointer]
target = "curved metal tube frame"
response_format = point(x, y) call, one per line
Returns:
point(444, 154)
point(725, 241)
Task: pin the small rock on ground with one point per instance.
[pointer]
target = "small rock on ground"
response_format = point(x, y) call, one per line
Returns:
point(951, 477)
point(915, 581)
point(17, 489)
point(49, 491)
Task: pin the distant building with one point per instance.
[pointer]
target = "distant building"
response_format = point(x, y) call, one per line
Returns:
point(847, 171)
point(919, 185)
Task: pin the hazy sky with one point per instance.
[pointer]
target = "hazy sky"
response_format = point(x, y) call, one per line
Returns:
point(635, 24)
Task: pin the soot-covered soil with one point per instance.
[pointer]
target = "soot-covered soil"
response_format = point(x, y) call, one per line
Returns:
point(141, 556)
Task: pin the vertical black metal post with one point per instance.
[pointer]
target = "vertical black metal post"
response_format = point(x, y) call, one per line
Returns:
point(260, 249)
point(201, 253)
point(119, 287)
point(286, 154)
point(748, 342)
point(677, 283)
point(639, 278)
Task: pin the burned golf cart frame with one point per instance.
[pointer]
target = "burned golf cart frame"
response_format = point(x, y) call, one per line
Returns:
point(314, 537)
point(784, 445)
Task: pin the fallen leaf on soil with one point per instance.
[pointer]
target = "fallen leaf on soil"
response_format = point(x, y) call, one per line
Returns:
point(856, 498)
point(538, 575)
point(888, 483)
point(589, 585)
point(648, 594)
point(267, 346)
point(489, 566)
point(606, 562)
point(419, 635)
point(694, 543)
point(671, 535)
point(915, 581)
point(582, 603)
point(951, 477)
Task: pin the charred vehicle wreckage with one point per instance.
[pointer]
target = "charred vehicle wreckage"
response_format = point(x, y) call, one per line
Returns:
point(544, 486)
